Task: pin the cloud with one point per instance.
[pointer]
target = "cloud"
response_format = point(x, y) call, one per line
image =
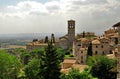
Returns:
point(90, 15)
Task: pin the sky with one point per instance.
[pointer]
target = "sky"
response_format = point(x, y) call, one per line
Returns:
point(51, 16)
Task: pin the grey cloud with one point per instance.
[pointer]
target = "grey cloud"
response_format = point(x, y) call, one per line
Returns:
point(54, 7)
point(37, 13)
point(87, 2)
point(90, 15)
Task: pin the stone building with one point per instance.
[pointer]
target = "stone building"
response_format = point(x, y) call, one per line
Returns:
point(63, 42)
point(67, 40)
point(101, 46)
point(71, 32)
point(76, 45)
point(67, 63)
point(35, 44)
point(86, 34)
point(82, 56)
point(118, 46)
point(79, 43)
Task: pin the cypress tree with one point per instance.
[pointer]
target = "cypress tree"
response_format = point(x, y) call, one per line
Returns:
point(46, 39)
point(50, 64)
point(83, 34)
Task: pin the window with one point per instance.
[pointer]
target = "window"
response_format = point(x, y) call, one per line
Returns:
point(110, 52)
point(115, 53)
point(96, 52)
point(81, 57)
point(102, 42)
point(81, 51)
point(96, 46)
point(103, 53)
point(81, 61)
point(102, 46)
point(106, 42)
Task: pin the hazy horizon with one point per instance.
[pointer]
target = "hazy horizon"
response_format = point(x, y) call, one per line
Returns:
point(51, 16)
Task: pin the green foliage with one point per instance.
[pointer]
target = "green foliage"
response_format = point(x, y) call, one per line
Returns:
point(68, 51)
point(32, 69)
point(60, 54)
point(19, 50)
point(102, 67)
point(50, 63)
point(9, 66)
point(76, 74)
point(37, 53)
point(25, 57)
point(69, 56)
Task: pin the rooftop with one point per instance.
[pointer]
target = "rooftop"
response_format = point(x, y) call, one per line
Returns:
point(117, 24)
point(95, 42)
point(72, 61)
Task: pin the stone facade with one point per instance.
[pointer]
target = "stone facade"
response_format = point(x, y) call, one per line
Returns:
point(82, 55)
point(86, 34)
point(63, 42)
point(67, 63)
point(80, 50)
point(76, 46)
point(118, 53)
point(35, 45)
point(67, 40)
point(71, 32)
point(101, 46)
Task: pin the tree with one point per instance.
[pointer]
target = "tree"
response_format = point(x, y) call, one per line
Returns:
point(37, 53)
point(89, 52)
point(32, 69)
point(25, 57)
point(52, 38)
point(50, 63)
point(83, 34)
point(9, 66)
point(60, 53)
point(102, 67)
point(46, 39)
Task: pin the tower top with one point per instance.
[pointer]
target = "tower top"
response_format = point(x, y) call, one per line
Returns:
point(71, 20)
point(71, 24)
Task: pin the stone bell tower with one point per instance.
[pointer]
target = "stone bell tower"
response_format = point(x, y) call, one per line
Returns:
point(118, 53)
point(71, 32)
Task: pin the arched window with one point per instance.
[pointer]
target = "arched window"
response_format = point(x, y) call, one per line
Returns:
point(81, 57)
point(110, 52)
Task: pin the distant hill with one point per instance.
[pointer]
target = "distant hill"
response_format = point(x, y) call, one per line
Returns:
point(29, 36)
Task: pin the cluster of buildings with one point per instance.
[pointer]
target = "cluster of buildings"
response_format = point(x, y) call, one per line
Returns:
point(107, 44)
